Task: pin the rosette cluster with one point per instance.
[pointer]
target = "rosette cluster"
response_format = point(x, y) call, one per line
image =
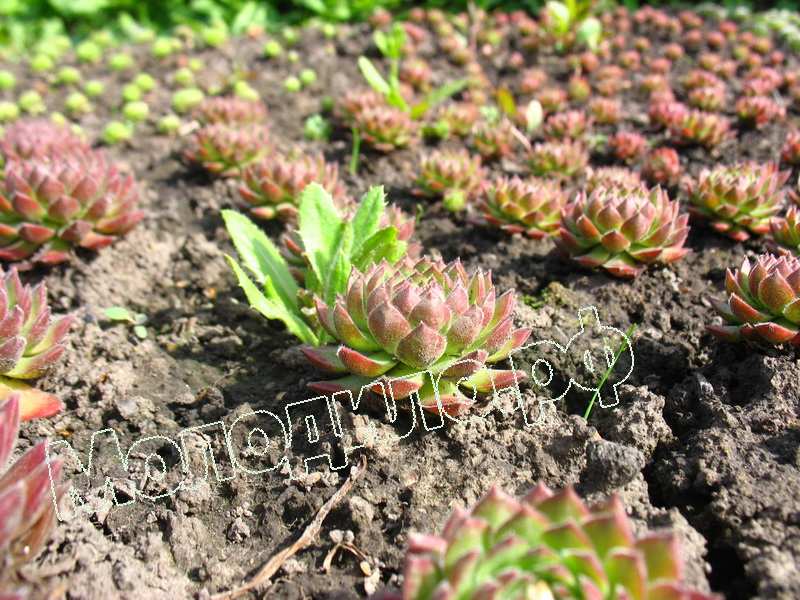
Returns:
point(528, 206)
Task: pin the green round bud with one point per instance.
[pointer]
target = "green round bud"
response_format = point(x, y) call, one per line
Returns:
point(326, 104)
point(77, 104)
point(292, 84)
point(136, 111)
point(116, 132)
point(214, 36)
point(145, 82)
point(329, 30)
point(272, 49)
point(290, 35)
point(120, 62)
point(292, 56)
point(94, 88)
point(41, 63)
point(169, 124)
point(186, 99)
point(245, 91)
point(68, 76)
point(31, 102)
point(8, 111)
point(131, 92)
point(163, 47)
point(89, 52)
point(58, 118)
point(7, 80)
point(317, 128)
point(196, 65)
point(184, 77)
point(308, 76)
point(103, 38)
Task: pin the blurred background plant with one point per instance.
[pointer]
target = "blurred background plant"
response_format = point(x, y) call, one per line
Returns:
point(50, 26)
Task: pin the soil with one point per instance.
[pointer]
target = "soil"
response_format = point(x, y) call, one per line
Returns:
point(704, 439)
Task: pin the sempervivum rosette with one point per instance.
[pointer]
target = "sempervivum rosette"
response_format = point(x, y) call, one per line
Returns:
point(230, 111)
point(33, 139)
point(453, 175)
point(26, 504)
point(763, 302)
point(49, 207)
point(621, 230)
point(785, 233)
point(396, 322)
point(273, 184)
point(620, 177)
point(738, 199)
point(532, 207)
point(225, 150)
point(545, 546)
point(564, 159)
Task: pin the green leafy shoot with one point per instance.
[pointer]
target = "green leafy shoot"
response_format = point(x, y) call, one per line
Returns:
point(604, 378)
point(333, 245)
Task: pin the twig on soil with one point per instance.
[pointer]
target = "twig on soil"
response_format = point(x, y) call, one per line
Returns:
point(276, 562)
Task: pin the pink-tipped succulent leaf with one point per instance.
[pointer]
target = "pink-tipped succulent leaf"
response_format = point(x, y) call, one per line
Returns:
point(230, 110)
point(565, 159)
point(385, 128)
point(33, 139)
point(452, 175)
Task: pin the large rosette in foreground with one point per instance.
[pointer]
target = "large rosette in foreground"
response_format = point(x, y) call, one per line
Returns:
point(621, 230)
point(763, 302)
point(545, 546)
point(397, 321)
point(27, 512)
point(49, 207)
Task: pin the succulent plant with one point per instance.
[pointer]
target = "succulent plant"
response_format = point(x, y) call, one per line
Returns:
point(273, 184)
point(662, 166)
point(455, 176)
point(552, 99)
point(605, 111)
point(738, 200)
point(531, 207)
point(394, 322)
point(494, 140)
point(355, 102)
point(621, 177)
point(785, 232)
point(417, 73)
point(709, 98)
point(699, 78)
point(623, 229)
point(558, 159)
point(571, 124)
point(627, 146)
point(27, 511)
point(531, 80)
point(763, 302)
point(49, 207)
point(578, 89)
point(698, 127)
point(546, 546)
point(757, 111)
point(230, 111)
point(225, 150)
point(34, 139)
point(385, 128)
point(790, 153)
point(667, 112)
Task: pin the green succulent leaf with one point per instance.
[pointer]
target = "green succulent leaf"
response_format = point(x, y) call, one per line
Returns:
point(270, 304)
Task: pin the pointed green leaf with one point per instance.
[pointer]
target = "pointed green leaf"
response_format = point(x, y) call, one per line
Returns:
point(368, 216)
point(118, 313)
point(381, 245)
point(337, 271)
point(373, 77)
point(438, 96)
point(320, 227)
point(269, 304)
point(505, 100)
point(260, 256)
